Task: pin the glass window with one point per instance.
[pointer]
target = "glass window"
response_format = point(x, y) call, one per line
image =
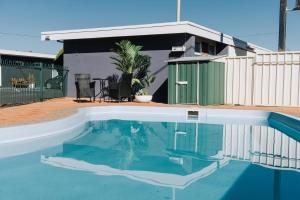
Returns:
point(212, 50)
point(204, 46)
point(198, 47)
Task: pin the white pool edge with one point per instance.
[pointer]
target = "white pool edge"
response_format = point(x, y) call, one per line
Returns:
point(143, 113)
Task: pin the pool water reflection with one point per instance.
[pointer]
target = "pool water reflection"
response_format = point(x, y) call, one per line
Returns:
point(118, 159)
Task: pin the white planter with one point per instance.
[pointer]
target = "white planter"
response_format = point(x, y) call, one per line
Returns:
point(143, 98)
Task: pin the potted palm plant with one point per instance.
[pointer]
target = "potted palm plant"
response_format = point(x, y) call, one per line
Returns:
point(129, 60)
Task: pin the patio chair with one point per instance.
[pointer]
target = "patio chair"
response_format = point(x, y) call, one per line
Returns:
point(120, 89)
point(84, 87)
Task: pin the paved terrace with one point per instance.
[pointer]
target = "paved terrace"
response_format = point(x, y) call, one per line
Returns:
point(62, 107)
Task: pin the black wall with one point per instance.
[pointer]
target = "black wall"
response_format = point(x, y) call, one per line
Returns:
point(93, 56)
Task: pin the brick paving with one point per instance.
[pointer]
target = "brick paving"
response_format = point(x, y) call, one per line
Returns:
point(62, 107)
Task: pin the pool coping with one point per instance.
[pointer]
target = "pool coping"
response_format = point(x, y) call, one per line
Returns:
point(67, 125)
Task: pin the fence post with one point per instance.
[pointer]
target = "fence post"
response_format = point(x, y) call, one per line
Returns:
point(65, 81)
point(41, 81)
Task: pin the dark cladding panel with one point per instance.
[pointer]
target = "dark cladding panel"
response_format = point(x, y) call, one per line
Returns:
point(156, 42)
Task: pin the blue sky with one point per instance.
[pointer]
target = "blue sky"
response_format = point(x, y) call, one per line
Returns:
point(255, 21)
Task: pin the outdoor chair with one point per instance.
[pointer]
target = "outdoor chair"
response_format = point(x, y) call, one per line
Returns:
point(84, 87)
point(120, 89)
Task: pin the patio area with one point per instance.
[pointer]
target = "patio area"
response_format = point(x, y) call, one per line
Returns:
point(62, 107)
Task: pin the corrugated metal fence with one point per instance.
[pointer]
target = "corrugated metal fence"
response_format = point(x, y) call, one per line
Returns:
point(271, 79)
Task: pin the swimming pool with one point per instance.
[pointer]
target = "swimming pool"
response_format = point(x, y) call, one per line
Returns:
point(127, 155)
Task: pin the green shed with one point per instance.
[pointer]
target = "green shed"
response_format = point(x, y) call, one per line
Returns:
point(196, 80)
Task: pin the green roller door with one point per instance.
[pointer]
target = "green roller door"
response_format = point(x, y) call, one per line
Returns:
point(196, 83)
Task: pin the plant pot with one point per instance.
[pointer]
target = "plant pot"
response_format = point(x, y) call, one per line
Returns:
point(143, 98)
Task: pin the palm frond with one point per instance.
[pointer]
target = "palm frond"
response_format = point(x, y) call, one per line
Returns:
point(128, 59)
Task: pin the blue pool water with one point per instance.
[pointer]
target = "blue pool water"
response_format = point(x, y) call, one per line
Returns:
point(117, 159)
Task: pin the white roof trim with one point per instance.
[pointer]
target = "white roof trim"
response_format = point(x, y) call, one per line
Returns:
point(254, 46)
point(26, 54)
point(196, 58)
point(146, 29)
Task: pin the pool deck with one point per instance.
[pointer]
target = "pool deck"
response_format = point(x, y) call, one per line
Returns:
point(62, 107)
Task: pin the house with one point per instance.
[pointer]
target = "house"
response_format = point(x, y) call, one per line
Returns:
point(89, 50)
point(10, 58)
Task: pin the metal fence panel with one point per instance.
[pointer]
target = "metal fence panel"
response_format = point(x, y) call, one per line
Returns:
point(239, 80)
point(23, 82)
point(270, 79)
point(262, 145)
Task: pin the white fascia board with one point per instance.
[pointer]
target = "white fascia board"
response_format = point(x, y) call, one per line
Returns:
point(136, 30)
point(211, 34)
point(259, 49)
point(146, 29)
point(26, 54)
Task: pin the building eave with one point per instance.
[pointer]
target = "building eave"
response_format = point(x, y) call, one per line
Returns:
point(144, 30)
point(25, 54)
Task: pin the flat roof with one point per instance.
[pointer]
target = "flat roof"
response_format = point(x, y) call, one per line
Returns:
point(26, 54)
point(149, 29)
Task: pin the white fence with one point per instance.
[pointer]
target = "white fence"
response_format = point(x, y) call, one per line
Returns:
point(271, 79)
point(262, 145)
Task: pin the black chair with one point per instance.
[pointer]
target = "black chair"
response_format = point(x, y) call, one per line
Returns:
point(84, 87)
point(120, 89)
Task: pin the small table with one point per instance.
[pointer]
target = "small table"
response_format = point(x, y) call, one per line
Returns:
point(102, 84)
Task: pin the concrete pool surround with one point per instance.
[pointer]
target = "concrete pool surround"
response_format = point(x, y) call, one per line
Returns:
point(55, 132)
